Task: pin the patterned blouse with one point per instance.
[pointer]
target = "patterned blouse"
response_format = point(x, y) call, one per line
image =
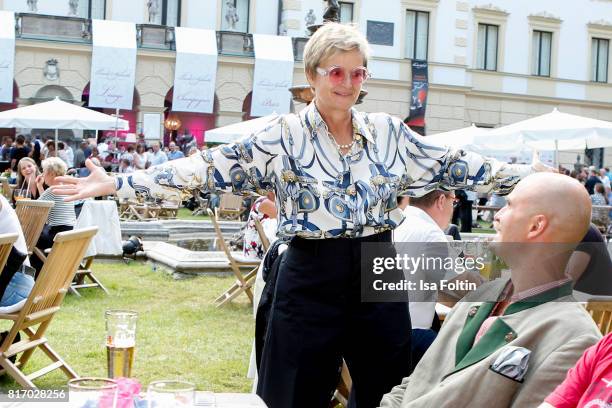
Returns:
point(321, 193)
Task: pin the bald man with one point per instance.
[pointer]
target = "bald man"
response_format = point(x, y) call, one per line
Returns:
point(510, 343)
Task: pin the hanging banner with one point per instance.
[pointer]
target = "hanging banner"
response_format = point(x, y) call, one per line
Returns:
point(195, 71)
point(418, 99)
point(7, 55)
point(113, 64)
point(273, 75)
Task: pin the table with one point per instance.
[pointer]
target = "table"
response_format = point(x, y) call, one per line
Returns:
point(223, 400)
point(102, 214)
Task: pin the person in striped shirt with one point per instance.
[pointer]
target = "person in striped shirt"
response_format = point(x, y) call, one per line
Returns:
point(62, 216)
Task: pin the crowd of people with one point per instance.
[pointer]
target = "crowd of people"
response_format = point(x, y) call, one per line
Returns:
point(111, 155)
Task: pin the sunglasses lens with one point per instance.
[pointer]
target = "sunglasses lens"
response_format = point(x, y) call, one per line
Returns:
point(336, 75)
point(358, 75)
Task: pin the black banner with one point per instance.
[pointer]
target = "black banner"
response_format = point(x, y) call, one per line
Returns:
point(418, 100)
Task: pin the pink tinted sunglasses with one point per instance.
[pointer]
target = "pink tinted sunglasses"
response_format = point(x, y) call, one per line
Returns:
point(337, 75)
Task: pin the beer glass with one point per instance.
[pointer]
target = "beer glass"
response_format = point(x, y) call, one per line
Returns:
point(170, 394)
point(92, 392)
point(120, 342)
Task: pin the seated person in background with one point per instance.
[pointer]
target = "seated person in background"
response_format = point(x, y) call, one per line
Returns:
point(590, 266)
point(424, 221)
point(599, 195)
point(264, 210)
point(15, 283)
point(403, 201)
point(26, 179)
point(62, 216)
point(511, 341)
point(125, 166)
point(589, 382)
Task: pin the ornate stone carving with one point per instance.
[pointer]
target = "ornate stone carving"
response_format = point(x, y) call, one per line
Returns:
point(51, 70)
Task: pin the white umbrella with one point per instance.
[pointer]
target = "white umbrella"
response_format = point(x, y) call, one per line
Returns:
point(460, 138)
point(57, 114)
point(556, 131)
point(233, 132)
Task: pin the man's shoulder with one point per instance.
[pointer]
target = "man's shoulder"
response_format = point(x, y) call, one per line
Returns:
point(415, 229)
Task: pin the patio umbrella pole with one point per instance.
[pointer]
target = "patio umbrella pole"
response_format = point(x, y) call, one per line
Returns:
point(56, 139)
point(556, 153)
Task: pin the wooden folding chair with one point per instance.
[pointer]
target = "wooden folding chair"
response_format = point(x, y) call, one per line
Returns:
point(601, 312)
point(343, 389)
point(7, 190)
point(230, 206)
point(84, 272)
point(169, 209)
point(32, 215)
point(262, 235)
point(40, 308)
point(6, 243)
point(243, 282)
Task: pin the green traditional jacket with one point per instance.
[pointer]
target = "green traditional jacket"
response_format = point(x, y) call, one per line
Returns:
point(456, 373)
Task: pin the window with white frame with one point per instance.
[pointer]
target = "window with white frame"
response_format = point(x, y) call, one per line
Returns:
point(235, 15)
point(164, 12)
point(346, 12)
point(417, 32)
point(486, 53)
point(600, 48)
point(541, 44)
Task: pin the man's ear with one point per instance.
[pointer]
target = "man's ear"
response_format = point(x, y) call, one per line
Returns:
point(539, 224)
point(440, 201)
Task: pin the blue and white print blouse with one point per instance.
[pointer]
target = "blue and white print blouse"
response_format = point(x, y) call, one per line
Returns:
point(321, 193)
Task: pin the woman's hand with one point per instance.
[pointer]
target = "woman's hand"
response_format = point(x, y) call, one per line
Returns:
point(40, 181)
point(98, 183)
point(538, 166)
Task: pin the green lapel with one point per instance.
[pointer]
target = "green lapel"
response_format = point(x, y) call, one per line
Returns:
point(470, 328)
point(496, 337)
point(539, 299)
point(499, 334)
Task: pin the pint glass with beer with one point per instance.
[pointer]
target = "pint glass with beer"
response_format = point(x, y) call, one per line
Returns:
point(120, 342)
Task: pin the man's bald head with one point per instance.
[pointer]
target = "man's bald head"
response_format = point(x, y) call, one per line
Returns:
point(545, 207)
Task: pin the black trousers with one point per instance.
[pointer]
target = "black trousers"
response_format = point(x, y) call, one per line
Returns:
point(317, 318)
point(46, 241)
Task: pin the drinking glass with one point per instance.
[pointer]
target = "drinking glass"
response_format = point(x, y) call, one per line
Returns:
point(120, 342)
point(170, 394)
point(91, 391)
point(21, 194)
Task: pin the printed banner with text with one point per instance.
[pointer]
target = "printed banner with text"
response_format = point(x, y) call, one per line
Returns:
point(113, 65)
point(195, 71)
point(7, 55)
point(418, 99)
point(273, 75)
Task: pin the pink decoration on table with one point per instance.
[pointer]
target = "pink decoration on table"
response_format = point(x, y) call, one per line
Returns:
point(128, 389)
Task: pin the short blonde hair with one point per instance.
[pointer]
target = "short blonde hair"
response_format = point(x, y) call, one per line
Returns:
point(54, 165)
point(330, 39)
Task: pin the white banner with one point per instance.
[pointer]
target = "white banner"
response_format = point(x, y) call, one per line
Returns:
point(7, 55)
point(195, 72)
point(273, 74)
point(113, 64)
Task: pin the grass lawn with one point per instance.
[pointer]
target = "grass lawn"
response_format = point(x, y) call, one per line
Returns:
point(180, 334)
point(185, 214)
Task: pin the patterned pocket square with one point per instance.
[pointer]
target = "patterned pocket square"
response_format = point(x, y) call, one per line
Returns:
point(512, 362)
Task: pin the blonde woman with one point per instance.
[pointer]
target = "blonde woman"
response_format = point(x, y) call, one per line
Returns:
point(62, 216)
point(336, 172)
point(27, 171)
